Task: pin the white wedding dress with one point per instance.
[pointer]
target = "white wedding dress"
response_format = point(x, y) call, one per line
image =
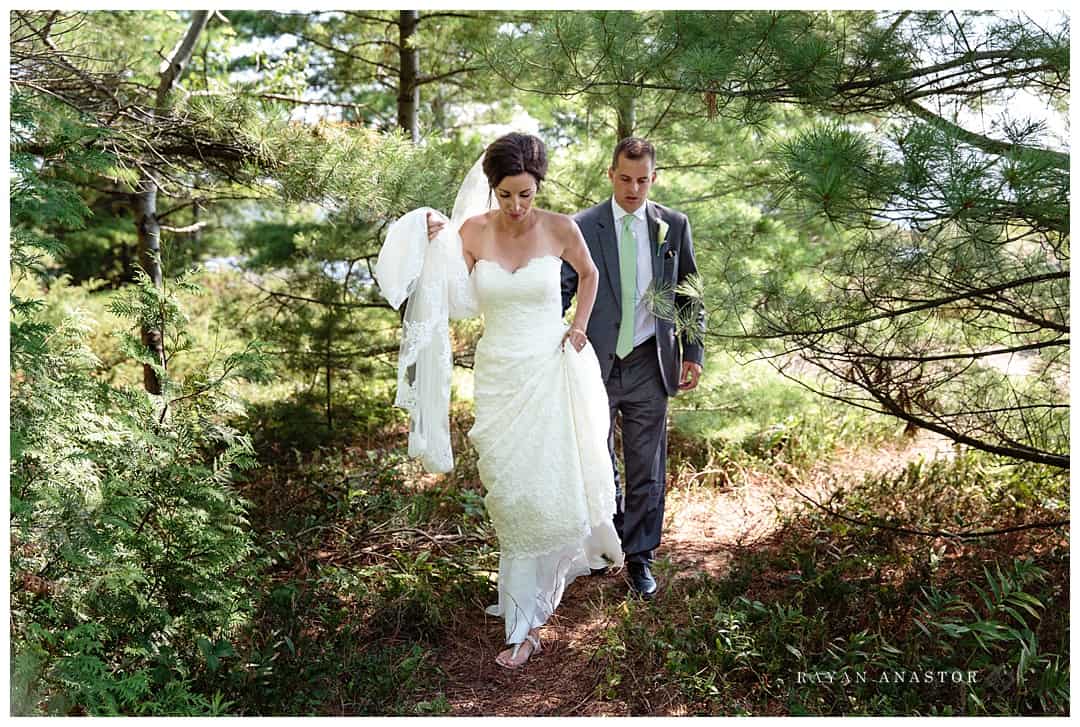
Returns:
point(541, 434)
point(541, 422)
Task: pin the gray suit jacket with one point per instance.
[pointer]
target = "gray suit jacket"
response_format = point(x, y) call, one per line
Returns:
point(672, 262)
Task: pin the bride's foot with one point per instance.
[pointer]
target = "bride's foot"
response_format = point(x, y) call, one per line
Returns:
point(518, 654)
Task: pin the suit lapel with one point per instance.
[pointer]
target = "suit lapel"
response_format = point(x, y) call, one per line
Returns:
point(653, 218)
point(609, 249)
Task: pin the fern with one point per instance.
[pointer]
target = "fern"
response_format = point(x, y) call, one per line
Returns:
point(130, 548)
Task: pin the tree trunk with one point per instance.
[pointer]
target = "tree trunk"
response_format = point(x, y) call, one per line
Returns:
point(329, 375)
point(626, 117)
point(150, 260)
point(408, 90)
point(146, 221)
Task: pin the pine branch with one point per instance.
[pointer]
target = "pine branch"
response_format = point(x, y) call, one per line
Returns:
point(391, 70)
point(424, 80)
point(312, 102)
point(1060, 160)
point(327, 303)
point(925, 305)
point(431, 16)
point(963, 356)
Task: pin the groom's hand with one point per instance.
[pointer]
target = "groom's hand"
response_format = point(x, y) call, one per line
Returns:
point(688, 379)
point(434, 225)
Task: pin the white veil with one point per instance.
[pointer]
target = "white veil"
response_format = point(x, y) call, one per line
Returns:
point(473, 197)
point(437, 284)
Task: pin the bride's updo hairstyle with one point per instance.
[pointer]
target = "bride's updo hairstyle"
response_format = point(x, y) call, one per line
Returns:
point(515, 154)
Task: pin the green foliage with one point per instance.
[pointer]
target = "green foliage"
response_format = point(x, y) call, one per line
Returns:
point(129, 546)
point(661, 301)
point(937, 214)
point(836, 171)
point(881, 225)
point(951, 494)
point(321, 313)
point(789, 139)
point(836, 619)
point(352, 58)
point(744, 411)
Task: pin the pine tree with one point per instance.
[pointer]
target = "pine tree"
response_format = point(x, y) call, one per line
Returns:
point(944, 216)
point(202, 145)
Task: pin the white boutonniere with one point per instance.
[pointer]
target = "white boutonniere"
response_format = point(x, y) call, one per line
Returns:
point(660, 235)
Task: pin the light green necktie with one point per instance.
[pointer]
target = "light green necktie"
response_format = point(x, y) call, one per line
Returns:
point(628, 286)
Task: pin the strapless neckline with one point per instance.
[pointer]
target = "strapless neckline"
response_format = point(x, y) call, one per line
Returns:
point(517, 270)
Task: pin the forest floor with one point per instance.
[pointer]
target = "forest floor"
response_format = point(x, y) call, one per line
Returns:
point(705, 528)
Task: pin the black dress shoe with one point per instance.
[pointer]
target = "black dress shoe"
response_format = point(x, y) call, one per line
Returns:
point(641, 580)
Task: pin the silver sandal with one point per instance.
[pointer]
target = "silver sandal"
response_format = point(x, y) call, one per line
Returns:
point(517, 647)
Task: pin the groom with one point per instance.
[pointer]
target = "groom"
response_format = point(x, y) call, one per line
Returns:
point(637, 244)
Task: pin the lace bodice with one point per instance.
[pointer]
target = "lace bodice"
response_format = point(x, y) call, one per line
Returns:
point(519, 303)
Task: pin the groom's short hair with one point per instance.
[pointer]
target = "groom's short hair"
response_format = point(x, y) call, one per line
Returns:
point(633, 147)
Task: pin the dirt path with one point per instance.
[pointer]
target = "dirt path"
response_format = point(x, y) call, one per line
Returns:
point(704, 528)
point(560, 680)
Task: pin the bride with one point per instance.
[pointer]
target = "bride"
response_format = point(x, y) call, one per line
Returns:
point(541, 409)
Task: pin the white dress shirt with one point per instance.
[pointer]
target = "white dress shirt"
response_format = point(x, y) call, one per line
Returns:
point(644, 321)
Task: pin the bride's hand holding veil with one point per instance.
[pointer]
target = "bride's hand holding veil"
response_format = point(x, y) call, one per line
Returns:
point(425, 270)
point(435, 224)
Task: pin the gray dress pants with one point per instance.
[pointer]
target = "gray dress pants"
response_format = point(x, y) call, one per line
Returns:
point(637, 396)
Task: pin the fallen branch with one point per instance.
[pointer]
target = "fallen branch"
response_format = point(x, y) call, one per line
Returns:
point(328, 303)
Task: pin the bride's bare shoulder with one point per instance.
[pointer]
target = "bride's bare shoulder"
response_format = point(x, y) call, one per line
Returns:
point(473, 231)
point(475, 225)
